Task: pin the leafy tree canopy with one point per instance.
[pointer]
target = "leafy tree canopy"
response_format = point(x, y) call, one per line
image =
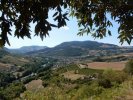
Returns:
point(129, 67)
point(91, 15)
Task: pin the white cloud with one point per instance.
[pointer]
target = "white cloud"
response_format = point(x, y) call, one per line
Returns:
point(65, 28)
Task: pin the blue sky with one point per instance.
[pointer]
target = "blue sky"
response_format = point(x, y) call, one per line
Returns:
point(67, 33)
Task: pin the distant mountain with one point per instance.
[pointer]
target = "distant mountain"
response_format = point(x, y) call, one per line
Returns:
point(79, 48)
point(26, 49)
point(3, 52)
point(130, 47)
point(87, 44)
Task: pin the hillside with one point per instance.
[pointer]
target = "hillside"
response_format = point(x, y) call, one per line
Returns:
point(73, 83)
point(81, 48)
point(87, 44)
point(11, 62)
point(3, 52)
point(25, 49)
point(76, 70)
point(73, 49)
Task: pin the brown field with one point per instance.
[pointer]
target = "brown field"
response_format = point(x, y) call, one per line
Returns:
point(71, 75)
point(34, 85)
point(127, 54)
point(106, 65)
point(4, 66)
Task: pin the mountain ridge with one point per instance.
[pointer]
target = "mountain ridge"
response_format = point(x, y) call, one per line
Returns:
point(72, 48)
point(25, 49)
point(76, 48)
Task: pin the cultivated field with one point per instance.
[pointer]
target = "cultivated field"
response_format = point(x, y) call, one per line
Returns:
point(106, 65)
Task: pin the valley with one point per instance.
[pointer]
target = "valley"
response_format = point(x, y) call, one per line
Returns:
point(76, 70)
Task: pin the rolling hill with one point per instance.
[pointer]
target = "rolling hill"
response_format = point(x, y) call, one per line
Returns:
point(25, 49)
point(74, 49)
point(3, 52)
point(80, 48)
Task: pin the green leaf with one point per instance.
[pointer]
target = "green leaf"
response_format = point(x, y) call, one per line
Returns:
point(109, 32)
point(55, 14)
point(53, 25)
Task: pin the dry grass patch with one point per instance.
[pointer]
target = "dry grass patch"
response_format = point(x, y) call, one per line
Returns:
point(106, 65)
point(4, 66)
point(128, 54)
point(71, 75)
point(34, 85)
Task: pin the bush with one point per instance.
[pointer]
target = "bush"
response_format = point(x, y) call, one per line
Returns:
point(104, 83)
point(129, 67)
point(28, 79)
point(6, 78)
point(110, 78)
point(12, 91)
point(98, 59)
point(45, 84)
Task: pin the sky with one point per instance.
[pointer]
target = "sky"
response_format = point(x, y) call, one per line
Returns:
point(67, 33)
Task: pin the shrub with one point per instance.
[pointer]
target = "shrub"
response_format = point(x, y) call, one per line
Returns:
point(12, 91)
point(28, 79)
point(129, 67)
point(104, 83)
point(115, 76)
point(110, 78)
point(45, 84)
point(98, 59)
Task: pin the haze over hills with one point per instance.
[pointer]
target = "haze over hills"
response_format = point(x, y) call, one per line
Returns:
point(128, 47)
point(73, 48)
point(86, 44)
point(3, 52)
point(25, 49)
point(81, 48)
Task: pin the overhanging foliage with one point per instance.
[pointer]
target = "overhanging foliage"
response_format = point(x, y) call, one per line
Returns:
point(91, 15)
